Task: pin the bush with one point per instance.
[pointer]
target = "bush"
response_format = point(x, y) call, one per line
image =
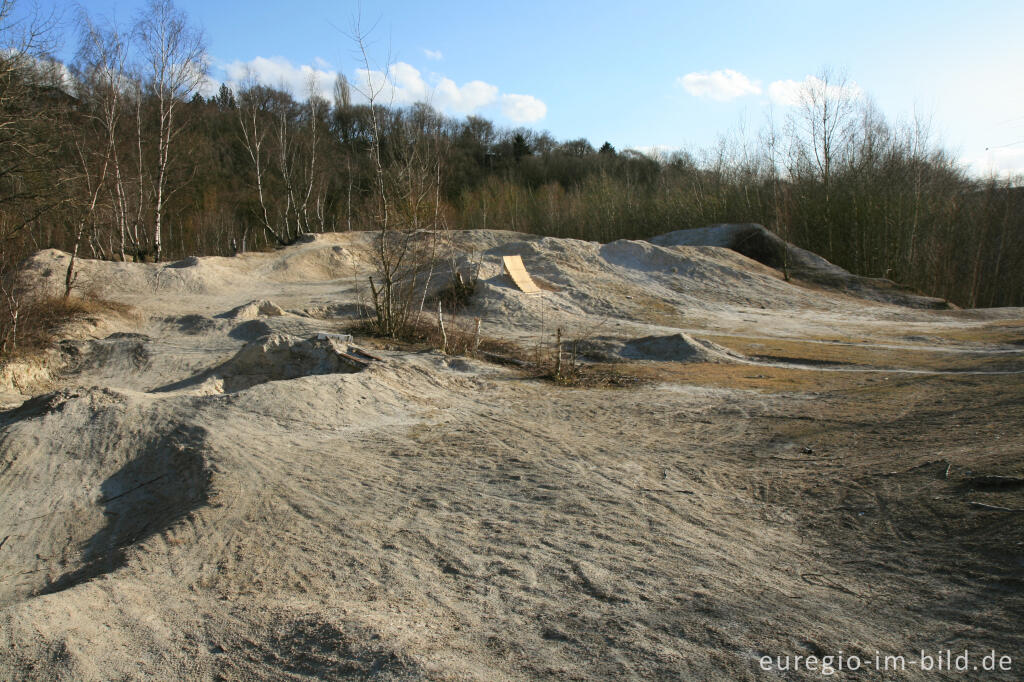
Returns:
point(31, 323)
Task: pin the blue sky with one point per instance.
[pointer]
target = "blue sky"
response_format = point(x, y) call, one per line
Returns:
point(648, 74)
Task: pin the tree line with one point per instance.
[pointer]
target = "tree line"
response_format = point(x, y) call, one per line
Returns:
point(118, 155)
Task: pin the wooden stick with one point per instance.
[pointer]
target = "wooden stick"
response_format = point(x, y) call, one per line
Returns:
point(993, 507)
point(504, 359)
point(359, 350)
point(558, 353)
point(444, 334)
point(801, 459)
point(353, 359)
point(995, 481)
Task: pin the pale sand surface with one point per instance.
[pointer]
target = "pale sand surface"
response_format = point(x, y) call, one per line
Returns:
point(197, 488)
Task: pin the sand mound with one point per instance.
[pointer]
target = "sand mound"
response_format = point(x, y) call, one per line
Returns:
point(129, 352)
point(700, 277)
point(315, 259)
point(678, 347)
point(253, 310)
point(764, 246)
point(193, 324)
point(294, 325)
point(137, 281)
point(189, 262)
point(251, 330)
point(281, 356)
point(334, 310)
point(117, 471)
point(630, 280)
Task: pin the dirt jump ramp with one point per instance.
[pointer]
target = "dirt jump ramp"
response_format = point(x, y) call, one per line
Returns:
point(520, 277)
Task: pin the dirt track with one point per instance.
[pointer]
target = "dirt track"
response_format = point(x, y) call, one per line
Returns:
point(446, 518)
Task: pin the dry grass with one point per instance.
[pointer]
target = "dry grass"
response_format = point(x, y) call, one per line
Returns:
point(42, 319)
point(747, 377)
point(1007, 331)
point(844, 352)
point(537, 361)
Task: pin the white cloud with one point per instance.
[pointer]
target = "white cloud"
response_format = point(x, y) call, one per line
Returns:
point(403, 84)
point(658, 152)
point(279, 72)
point(722, 85)
point(523, 108)
point(1004, 162)
point(787, 93)
point(407, 85)
point(468, 98)
point(434, 54)
point(209, 87)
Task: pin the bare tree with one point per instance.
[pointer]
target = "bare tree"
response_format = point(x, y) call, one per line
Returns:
point(405, 151)
point(31, 105)
point(312, 184)
point(110, 94)
point(823, 130)
point(284, 141)
point(771, 148)
point(101, 83)
point(342, 110)
point(393, 246)
point(32, 109)
point(176, 66)
point(253, 111)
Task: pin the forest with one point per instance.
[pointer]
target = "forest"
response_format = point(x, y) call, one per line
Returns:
point(120, 155)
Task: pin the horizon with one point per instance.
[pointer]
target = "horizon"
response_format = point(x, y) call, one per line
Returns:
point(625, 80)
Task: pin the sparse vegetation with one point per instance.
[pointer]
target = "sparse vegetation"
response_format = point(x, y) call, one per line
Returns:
point(33, 323)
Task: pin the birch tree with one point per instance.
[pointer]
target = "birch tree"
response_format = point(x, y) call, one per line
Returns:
point(175, 62)
point(822, 128)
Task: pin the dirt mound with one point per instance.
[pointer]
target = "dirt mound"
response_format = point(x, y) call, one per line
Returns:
point(136, 281)
point(760, 244)
point(281, 356)
point(587, 285)
point(318, 258)
point(678, 347)
point(334, 310)
point(26, 376)
point(251, 330)
point(129, 352)
point(193, 324)
point(294, 325)
point(189, 262)
point(253, 310)
point(118, 470)
point(752, 240)
point(701, 277)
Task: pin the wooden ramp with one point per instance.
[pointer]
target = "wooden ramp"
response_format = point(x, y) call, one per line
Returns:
point(517, 271)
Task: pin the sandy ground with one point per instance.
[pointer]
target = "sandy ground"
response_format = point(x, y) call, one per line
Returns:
point(201, 489)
